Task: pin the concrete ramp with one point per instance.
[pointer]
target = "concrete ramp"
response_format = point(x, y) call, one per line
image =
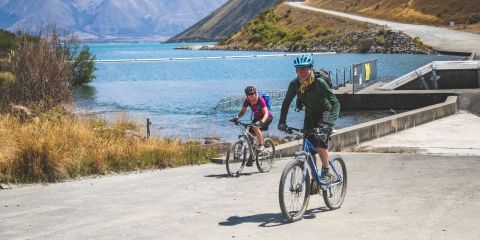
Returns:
point(453, 75)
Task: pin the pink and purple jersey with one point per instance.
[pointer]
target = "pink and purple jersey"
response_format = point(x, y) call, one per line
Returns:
point(257, 108)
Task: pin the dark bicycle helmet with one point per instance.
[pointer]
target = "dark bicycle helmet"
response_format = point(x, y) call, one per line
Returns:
point(250, 90)
point(303, 61)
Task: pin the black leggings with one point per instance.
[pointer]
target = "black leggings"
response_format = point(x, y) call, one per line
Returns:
point(264, 125)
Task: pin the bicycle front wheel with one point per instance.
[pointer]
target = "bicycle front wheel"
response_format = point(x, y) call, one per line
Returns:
point(235, 160)
point(294, 191)
point(266, 158)
point(334, 195)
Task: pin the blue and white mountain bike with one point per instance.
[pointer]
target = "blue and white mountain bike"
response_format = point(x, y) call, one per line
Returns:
point(295, 185)
point(245, 149)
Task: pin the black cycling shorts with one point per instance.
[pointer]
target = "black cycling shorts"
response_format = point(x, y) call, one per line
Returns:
point(312, 121)
point(264, 125)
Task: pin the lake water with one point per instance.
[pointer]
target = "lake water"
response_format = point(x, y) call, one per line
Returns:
point(180, 96)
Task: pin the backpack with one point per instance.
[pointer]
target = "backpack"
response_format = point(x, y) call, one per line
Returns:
point(323, 74)
point(266, 97)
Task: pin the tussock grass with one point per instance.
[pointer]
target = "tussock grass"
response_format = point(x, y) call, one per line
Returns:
point(56, 146)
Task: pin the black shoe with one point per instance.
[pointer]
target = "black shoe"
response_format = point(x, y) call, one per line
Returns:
point(249, 162)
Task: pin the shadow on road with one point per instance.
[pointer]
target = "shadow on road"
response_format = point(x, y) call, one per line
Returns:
point(265, 220)
point(269, 219)
point(225, 175)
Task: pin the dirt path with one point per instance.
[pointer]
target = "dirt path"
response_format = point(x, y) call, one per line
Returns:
point(390, 196)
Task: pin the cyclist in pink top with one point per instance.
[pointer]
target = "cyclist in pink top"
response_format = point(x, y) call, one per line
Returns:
point(261, 116)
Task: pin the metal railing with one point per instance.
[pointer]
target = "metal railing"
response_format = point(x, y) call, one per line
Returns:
point(234, 103)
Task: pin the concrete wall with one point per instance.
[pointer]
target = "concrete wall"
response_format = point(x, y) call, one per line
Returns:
point(470, 101)
point(350, 136)
point(449, 79)
point(390, 100)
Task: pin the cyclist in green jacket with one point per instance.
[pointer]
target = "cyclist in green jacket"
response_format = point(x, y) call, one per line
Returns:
point(321, 106)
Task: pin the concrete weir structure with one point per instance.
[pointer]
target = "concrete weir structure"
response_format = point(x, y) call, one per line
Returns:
point(351, 136)
point(439, 75)
point(451, 86)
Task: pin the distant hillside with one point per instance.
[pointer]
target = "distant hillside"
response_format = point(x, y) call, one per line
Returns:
point(108, 19)
point(224, 21)
point(437, 12)
point(286, 28)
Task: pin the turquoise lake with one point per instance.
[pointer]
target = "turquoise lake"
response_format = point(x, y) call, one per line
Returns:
point(180, 96)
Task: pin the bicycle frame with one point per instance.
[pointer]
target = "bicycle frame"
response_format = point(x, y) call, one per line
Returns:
point(245, 136)
point(307, 147)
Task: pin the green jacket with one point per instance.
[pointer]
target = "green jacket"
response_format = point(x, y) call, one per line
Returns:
point(317, 98)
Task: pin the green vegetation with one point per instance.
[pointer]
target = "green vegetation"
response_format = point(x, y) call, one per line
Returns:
point(7, 43)
point(82, 67)
point(419, 43)
point(474, 18)
point(380, 40)
point(382, 34)
point(273, 29)
point(267, 31)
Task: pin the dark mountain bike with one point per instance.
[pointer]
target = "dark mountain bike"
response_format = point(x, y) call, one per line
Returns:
point(245, 149)
point(295, 185)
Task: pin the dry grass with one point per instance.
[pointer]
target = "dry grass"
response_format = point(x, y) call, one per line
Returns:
point(412, 11)
point(57, 146)
point(473, 28)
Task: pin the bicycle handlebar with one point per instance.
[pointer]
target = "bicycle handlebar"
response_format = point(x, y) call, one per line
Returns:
point(290, 130)
point(245, 125)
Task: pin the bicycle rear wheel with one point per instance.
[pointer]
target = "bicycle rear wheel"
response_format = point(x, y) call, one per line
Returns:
point(265, 158)
point(294, 191)
point(235, 160)
point(335, 195)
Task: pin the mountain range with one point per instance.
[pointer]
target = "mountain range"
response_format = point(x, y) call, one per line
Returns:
point(225, 21)
point(108, 20)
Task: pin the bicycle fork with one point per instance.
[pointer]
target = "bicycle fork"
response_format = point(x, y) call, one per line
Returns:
point(300, 158)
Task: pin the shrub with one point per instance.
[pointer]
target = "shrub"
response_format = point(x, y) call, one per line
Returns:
point(418, 43)
point(7, 43)
point(297, 35)
point(45, 66)
point(380, 40)
point(385, 31)
point(364, 45)
point(82, 67)
point(474, 18)
point(346, 42)
point(323, 32)
point(42, 72)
